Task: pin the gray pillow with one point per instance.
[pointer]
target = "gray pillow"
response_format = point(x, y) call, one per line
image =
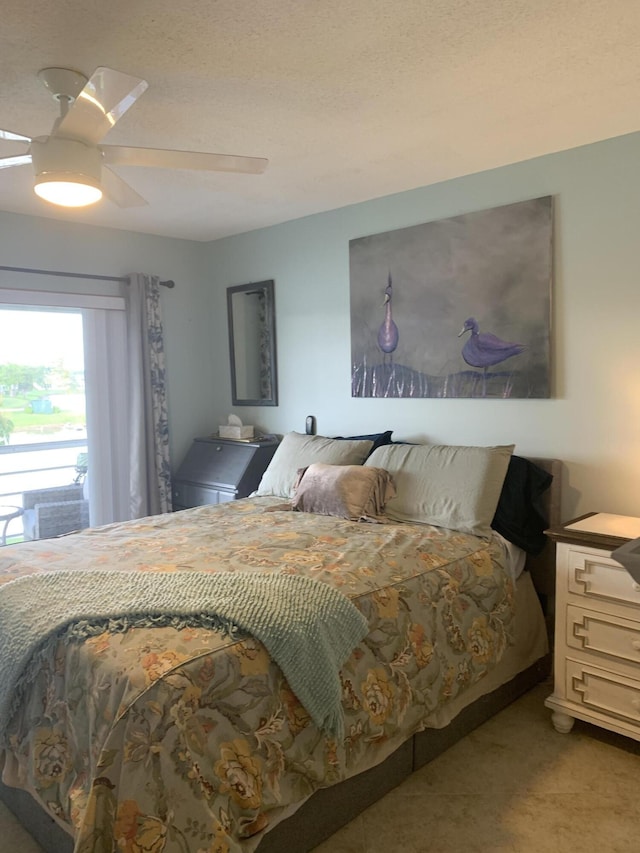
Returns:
point(448, 486)
point(297, 450)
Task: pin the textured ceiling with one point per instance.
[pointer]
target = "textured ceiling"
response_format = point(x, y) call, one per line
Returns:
point(348, 99)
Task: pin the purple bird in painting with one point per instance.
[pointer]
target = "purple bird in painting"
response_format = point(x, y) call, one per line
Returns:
point(484, 350)
point(388, 334)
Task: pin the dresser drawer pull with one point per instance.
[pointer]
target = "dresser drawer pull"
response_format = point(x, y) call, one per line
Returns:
point(635, 704)
point(636, 645)
point(635, 587)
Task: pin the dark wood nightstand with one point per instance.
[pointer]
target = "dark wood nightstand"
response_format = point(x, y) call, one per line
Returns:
point(216, 470)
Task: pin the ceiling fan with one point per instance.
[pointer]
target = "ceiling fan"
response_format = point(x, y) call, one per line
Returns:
point(72, 166)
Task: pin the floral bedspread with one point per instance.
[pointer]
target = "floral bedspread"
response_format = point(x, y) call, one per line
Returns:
point(186, 741)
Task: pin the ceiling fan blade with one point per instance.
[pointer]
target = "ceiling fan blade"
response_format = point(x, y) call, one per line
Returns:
point(13, 137)
point(119, 191)
point(122, 155)
point(105, 98)
point(16, 160)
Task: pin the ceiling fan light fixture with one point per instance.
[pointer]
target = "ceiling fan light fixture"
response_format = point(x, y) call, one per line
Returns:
point(68, 172)
point(68, 190)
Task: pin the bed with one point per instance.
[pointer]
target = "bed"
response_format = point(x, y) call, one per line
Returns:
point(180, 736)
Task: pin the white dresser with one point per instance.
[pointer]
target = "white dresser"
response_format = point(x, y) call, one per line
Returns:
point(597, 627)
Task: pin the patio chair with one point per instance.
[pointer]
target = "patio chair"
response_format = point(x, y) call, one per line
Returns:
point(52, 512)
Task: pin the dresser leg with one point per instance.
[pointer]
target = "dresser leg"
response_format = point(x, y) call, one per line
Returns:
point(562, 723)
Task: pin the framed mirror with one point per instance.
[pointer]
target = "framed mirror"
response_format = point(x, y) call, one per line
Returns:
point(252, 344)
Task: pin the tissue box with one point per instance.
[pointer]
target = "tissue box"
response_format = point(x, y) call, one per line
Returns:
point(237, 432)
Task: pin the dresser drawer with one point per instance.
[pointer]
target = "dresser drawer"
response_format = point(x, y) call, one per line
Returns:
point(187, 495)
point(601, 633)
point(596, 576)
point(602, 691)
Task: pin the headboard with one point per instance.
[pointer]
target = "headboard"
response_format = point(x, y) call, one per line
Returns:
point(543, 567)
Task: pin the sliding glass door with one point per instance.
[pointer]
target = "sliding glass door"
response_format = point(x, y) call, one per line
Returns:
point(44, 451)
point(71, 408)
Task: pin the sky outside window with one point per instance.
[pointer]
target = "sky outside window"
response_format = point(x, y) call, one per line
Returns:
point(41, 338)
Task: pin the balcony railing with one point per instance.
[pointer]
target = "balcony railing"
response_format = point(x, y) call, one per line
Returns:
point(35, 466)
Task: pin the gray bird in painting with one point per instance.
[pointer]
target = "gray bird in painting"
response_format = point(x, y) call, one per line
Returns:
point(388, 334)
point(483, 349)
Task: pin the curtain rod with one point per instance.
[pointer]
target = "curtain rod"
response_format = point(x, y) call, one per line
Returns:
point(168, 283)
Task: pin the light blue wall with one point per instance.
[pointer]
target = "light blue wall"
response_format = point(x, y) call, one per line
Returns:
point(593, 420)
point(41, 243)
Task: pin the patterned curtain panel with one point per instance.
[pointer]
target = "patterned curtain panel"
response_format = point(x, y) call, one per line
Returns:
point(150, 466)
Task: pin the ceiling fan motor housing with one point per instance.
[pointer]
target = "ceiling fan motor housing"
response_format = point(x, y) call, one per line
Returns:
point(56, 158)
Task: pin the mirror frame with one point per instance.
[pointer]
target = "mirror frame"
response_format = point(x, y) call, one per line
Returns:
point(270, 319)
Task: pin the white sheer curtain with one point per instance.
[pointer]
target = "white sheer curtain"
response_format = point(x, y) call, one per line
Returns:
point(106, 395)
point(127, 425)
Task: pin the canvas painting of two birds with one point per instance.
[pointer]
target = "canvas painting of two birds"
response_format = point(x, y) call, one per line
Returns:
point(459, 307)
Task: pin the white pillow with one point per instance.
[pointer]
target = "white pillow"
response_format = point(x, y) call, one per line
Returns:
point(297, 450)
point(453, 487)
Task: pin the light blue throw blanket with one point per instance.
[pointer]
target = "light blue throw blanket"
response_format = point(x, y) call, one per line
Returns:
point(308, 627)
